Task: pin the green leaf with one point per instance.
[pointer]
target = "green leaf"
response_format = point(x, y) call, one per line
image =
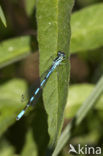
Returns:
point(87, 28)
point(78, 118)
point(2, 17)
point(13, 50)
point(30, 148)
point(10, 102)
point(76, 97)
point(53, 18)
point(5, 148)
point(30, 5)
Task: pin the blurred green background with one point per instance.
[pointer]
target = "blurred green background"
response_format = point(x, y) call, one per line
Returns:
point(19, 75)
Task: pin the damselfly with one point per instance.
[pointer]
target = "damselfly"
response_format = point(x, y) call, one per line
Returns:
point(56, 62)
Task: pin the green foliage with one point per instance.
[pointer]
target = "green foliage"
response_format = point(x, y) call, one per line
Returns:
point(87, 28)
point(13, 50)
point(10, 102)
point(2, 17)
point(5, 148)
point(30, 146)
point(29, 5)
point(44, 123)
point(78, 118)
point(51, 27)
point(76, 97)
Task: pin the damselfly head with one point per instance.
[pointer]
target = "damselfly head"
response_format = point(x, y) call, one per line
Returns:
point(61, 54)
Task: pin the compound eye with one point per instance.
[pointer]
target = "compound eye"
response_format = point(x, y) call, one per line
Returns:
point(59, 53)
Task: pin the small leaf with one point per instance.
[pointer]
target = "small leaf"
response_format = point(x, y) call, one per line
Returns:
point(30, 147)
point(76, 97)
point(53, 18)
point(10, 102)
point(30, 5)
point(87, 28)
point(13, 50)
point(2, 17)
point(5, 148)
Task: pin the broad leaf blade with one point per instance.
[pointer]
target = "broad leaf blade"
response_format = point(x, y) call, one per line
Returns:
point(76, 97)
point(2, 17)
point(53, 19)
point(13, 50)
point(87, 28)
point(10, 102)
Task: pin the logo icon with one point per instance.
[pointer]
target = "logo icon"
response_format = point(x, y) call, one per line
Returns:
point(85, 150)
point(72, 149)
